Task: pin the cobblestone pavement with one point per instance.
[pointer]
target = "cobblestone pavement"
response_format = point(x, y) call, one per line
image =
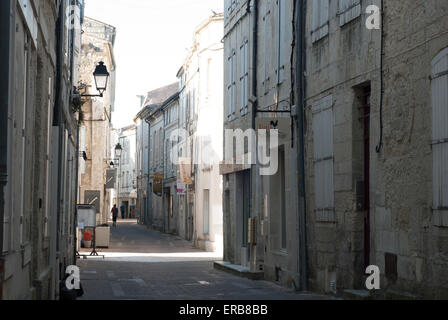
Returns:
point(143, 264)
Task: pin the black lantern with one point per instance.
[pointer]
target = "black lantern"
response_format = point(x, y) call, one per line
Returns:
point(118, 151)
point(101, 76)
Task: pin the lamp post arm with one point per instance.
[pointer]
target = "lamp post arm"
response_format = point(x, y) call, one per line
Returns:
point(77, 95)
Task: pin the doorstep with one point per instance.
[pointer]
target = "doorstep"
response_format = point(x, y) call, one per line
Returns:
point(238, 270)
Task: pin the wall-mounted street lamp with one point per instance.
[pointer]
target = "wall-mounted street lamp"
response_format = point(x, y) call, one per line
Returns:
point(118, 151)
point(101, 76)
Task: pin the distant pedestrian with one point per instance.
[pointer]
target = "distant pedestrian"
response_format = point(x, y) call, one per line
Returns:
point(123, 208)
point(115, 214)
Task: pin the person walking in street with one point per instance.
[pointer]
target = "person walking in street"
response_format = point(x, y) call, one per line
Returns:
point(123, 208)
point(114, 214)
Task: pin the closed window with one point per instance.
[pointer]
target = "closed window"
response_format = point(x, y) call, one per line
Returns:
point(282, 58)
point(348, 10)
point(267, 43)
point(47, 162)
point(160, 146)
point(439, 87)
point(320, 19)
point(323, 159)
point(232, 84)
point(244, 78)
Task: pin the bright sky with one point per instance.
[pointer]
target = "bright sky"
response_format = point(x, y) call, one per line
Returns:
point(152, 41)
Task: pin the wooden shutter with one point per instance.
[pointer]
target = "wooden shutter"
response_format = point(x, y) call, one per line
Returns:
point(439, 88)
point(320, 19)
point(348, 11)
point(244, 76)
point(282, 39)
point(232, 82)
point(324, 159)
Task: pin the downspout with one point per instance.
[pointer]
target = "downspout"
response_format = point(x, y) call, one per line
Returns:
point(5, 73)
point(254, 63)
point(254, 109)
point(75, 216)
point(379, 147)
point(57, 122)
point(301, 58)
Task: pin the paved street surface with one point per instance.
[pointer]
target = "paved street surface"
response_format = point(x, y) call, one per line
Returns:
point(143, 264)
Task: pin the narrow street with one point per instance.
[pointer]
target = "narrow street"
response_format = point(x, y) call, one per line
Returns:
point(248, 150)
point(143, 264)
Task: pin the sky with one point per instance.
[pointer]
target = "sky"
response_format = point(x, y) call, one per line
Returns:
point(153, 38)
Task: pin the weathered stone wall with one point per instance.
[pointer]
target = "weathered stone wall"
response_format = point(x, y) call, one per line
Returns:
point(342, 65)
point(415, 32)
point(338, 67)
point(97, 113)
point(156, 167)
point(35, 222)
point(274, 87)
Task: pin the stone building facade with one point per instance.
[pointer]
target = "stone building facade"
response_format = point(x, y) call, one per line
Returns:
point(156, 136)
point(368, 184)
point(184, 197)
point(170, 110)
point(261, 227)
point(127, 172)
point(40, 55)
point(150, 155)
point(142, 166)
point(376, 129)
point(202, 142)
point(95, 131)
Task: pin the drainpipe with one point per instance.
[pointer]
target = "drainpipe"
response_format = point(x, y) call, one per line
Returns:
point(254, 111)
point(75, 216)
point(301, 56)
point(5, 74)
point(58, 122)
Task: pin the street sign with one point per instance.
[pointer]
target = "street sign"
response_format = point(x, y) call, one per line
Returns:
point(282, 124)
point(111, 178)
point(93, 197)
point(157, 186)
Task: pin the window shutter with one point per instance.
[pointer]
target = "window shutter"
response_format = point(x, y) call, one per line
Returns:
point(233, 83)
point(281, 39)
point(267, 44)
point(320, 19)
point(439, 88)
point(242, 68)
point(324, 159)
point(348, 11)
point(246, 74)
